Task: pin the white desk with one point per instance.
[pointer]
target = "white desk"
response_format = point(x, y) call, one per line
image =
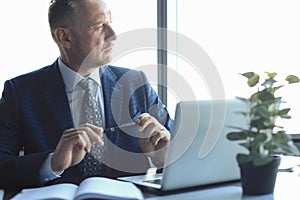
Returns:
point(287, 187)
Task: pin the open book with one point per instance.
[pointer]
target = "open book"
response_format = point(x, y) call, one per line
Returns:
point(91, 188)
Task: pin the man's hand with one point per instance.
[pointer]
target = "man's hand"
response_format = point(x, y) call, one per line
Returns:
point(154, 137)
point(74, 144)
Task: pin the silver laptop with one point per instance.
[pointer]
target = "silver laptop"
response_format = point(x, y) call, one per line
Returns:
point(199, 153)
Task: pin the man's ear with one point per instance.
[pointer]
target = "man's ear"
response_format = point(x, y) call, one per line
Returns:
point(63, 36)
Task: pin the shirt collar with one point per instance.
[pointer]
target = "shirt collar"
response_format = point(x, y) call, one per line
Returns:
point(71, 78)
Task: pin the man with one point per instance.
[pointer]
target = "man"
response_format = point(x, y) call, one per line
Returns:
point(40, 111)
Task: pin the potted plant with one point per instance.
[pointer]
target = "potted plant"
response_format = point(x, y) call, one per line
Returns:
point(263, 139)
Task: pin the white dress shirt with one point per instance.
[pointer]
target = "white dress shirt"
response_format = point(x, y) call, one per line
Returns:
point(75, 96)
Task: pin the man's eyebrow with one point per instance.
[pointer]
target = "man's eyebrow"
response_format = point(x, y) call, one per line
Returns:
point(97, 23)
point(102, 20)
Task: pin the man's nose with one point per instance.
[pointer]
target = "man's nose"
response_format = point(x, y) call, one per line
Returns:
point(110, 33)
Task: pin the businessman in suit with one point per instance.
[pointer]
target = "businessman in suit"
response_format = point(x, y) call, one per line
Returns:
point(40, 111)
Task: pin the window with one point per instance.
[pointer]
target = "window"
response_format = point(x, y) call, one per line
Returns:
point(236, 36)
point(27, 45)
point(239, 36)
point(131, 20)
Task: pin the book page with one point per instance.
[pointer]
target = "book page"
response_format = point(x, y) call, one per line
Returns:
point(98, 187)
point(62, 191)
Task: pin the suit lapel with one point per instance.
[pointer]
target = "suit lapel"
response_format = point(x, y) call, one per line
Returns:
point(113, 93)
point(56, 97)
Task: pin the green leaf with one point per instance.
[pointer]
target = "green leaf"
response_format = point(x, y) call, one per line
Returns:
point(254, 97)
point(258, 123)
point(240, 135)
point(269, 123)
point(277, 101)
point(242, 99)
point(243, 158)
point(286, 117)
point(288, 149)
point(271, 74)
point(253, 80)
point(265, 95)
point(261, 111)
point(292, 79)
point(278, 87)
point(260, 138)
point(238, 128)
point(283, 113)
point(248, 74)
point(269, 82)
point(281, 137)
point(292, 150)
point(271, 146)
point(283, 143)
point(245, 144)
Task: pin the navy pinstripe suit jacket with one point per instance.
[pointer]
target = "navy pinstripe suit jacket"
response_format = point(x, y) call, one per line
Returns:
point(34, 112)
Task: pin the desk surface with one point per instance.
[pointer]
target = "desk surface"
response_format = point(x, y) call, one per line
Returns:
point(286, 188)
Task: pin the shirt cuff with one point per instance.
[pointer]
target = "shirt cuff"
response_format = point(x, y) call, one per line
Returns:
point(46, 173)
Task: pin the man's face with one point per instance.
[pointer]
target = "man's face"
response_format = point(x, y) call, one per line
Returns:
point(93, 35)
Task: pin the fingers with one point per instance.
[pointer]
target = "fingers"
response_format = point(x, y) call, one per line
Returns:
point(154, 137)
point(86, 135)
point(143, 120)
point(74, 144)
point(146, 121)
point(96, 129)
point(76, 138)
point(151, 130)
point(70, 150)
point(162, 135)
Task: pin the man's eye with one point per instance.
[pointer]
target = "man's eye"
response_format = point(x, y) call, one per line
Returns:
point(99, 27)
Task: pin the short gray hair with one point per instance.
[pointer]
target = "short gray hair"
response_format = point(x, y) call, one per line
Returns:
point(62, 13)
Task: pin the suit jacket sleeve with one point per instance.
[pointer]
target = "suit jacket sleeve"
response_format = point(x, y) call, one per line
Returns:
point(128, 94)
point(154, 105)
point(15, 170)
